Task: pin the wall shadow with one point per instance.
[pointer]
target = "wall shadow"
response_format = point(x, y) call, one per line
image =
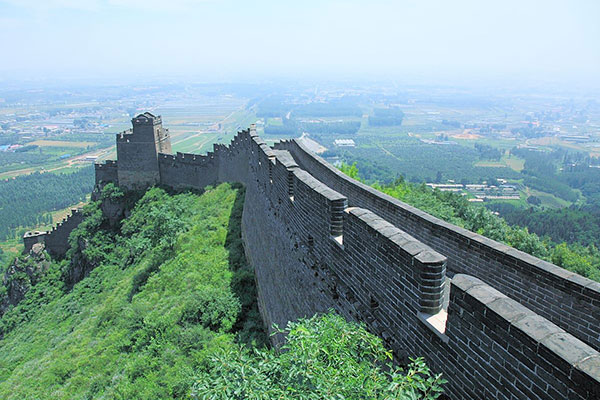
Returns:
point(249, 326)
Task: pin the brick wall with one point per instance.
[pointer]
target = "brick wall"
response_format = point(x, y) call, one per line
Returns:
point(55, 240)
point(106, 172)
point(319, 241)
point(565, 298)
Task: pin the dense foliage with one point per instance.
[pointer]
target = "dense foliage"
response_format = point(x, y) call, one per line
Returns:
point(457, 210)
point(340, 128)
point(170, 307)
point(324, 357)
point(26, 200)
point(488, 152)
point(345, 106)
point(293, 127)
point(575, 224)
point(168, 288)
point(381, 159)
point(386, 117)
point(560, 171)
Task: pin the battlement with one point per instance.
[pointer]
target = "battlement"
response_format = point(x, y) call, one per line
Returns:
point(138, 152)
point(106, 172)
point(569, 300)
point(106, 164)
point(497, 322)
point(124, 136)
point(146, 119)
point(56, 240)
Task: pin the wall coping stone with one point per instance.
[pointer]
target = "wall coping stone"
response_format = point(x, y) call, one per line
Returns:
point(578, 282)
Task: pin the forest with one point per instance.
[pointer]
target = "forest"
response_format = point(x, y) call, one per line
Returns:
point(383, 159)
point(169, 311)
point(293, 127)
point(575, 224)
point(27, 200)
point(386, 117)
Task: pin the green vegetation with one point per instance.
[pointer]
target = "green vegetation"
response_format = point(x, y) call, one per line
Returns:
point(456, 209)
point(382, 158)
point(386, 117)
point(575, 224)
point(168, 309)
point(324, 357)
point(26, 201)
point(167, 289)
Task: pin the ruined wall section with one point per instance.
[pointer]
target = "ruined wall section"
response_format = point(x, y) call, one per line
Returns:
point(56, 240)
point(563, 297)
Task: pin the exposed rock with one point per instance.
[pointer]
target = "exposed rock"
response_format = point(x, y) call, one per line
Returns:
point(24, 272)
point(114, 211)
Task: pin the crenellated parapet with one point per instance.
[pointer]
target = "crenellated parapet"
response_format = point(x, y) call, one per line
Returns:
point(56, 240)
point(497, 322)
point(106, 172)
point(563, 297)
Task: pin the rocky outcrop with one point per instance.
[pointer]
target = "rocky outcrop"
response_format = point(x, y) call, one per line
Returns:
point(23, 273)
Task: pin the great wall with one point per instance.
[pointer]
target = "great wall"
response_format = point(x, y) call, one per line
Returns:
point(498, 323)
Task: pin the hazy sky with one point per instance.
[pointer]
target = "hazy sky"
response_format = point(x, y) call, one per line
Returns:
point(556, 40)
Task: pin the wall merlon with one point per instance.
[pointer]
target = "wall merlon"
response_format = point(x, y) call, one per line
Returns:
point(285, 159)
point(429, 256)
point(316, 185)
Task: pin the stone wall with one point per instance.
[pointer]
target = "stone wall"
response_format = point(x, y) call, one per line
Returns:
point(56, 240)
point(187, 170)
point(563, 297)
point(317, 242)
point(371, 271)
point(106, 171)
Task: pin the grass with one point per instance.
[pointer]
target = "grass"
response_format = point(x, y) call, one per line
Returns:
point(516, 163)
point(549, 200)
point(103, 340)
point(10, 248)
point(195, 143)
point(490, 164)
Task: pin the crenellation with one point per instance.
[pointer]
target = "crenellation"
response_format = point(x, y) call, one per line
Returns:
point(522, 328)
point(471, 253)
point(56, 241)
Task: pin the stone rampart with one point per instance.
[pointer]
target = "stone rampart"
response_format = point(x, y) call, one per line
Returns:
point(563, 297)
point(319, 241)
point(55, 240)
point(106, 171)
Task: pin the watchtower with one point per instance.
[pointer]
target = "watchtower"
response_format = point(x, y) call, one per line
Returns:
point(137, 151)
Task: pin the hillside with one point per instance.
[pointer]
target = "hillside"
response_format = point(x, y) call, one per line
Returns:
point(162, 305)
point(168, 287)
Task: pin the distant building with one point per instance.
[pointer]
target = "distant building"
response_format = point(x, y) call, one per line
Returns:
point(446, 187)
point(344, 143)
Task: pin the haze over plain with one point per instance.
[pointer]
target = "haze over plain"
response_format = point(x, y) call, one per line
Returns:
point(551, 41)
